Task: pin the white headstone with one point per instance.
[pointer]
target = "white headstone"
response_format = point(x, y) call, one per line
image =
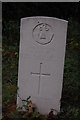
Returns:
point(41, 61)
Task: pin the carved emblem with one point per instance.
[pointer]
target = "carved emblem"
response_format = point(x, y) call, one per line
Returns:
point(43, 33)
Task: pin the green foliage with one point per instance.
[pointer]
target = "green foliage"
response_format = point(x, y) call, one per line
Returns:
point(27, 102)
point(10, 64)
point(12, 114)
point(36, 115)
point(73, 35)
point(11, 33)
point(9, 93)
point(73, 113)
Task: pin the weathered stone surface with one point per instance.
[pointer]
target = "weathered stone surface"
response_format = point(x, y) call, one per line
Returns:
point(41, 61)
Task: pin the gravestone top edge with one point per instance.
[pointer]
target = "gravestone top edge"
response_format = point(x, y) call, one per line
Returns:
point(46, 17)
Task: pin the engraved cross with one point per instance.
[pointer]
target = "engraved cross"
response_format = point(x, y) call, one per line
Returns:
point(40, 74)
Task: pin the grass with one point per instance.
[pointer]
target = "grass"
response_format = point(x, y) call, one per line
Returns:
point(70, 104)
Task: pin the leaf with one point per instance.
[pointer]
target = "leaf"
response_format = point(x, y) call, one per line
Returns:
point(28, 102)
point(12, 114)
point(28, 98)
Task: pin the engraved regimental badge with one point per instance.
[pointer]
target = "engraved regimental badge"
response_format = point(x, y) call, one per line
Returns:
point(43, 33)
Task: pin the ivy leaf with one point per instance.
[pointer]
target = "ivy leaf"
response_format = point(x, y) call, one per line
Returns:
point(28, 98)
